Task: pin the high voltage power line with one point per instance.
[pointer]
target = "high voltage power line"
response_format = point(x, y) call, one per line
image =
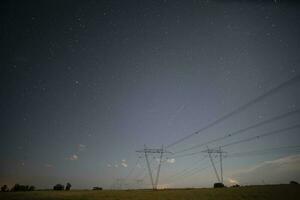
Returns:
point(192, 172)
point(189, 172)
point(133, 168)
point(262, 135)
point(278, 117)
point(247, 139)
point(239, 109)
point(186, 170)
point(264, 151)
point(195, 170)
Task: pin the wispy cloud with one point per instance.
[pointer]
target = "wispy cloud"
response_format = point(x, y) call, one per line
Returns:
point(232, 181)
point(124, 164)
point(171, 160)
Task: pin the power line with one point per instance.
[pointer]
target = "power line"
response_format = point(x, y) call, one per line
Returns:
point(239, 154)
point(193, 173)
point(143, 174)
point(284, 115)
point(263, 151)
point(247, 139)
point(185, 171)
point(263, 135)
point(133, 168)
point(239, 109)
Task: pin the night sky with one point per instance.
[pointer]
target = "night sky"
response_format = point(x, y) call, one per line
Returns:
point(84, 84)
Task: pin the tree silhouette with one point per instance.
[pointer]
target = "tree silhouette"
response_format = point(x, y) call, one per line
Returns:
point(68, 186)
point(58, 187)
point(4, 188)
point(294, 183)
point(31, 188)
point(219, 185)
point(18, 187)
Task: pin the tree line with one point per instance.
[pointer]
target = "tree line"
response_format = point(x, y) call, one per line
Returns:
point(17, 187)
point(24, 188)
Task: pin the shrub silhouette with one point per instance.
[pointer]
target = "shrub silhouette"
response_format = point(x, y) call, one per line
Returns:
point(68, 186)
point(58, 187)
point(294, 183)
point(18, 187)
point(97, 188)
point(31, 188)
point(4, 188)
point(219, 185)
point(236, 185)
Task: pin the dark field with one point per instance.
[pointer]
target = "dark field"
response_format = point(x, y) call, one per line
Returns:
point(283, 192)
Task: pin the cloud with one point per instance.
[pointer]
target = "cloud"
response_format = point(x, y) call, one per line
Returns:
point(118, 164)
point(73, 157)
point(232, 181)
point(170, 160)
point(124, 164)
point(280, 170)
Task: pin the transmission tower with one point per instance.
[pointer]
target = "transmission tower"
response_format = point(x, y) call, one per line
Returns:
point(219, 152)
point(160, 151)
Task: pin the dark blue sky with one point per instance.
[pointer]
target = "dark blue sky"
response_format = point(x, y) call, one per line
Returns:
point(84, 84)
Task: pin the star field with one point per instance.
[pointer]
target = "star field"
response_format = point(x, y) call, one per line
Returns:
point(84, 84)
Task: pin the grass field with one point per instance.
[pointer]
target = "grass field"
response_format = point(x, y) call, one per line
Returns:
point(283, 192)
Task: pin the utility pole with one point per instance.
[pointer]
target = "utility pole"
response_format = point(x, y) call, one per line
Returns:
point(146, 151)
point(220, 153)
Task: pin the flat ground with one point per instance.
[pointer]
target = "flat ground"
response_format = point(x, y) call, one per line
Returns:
point(273, 192)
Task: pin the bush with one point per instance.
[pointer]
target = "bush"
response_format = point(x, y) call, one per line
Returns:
point(294, 183)
point(68, 187)
point(236, 185)
point(97, 188)
point(58, 187)
point(31, 188)
point(4, 188)
point(219, 185)
point(18, 187)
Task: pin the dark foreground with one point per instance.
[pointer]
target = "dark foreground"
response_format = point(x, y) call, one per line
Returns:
point(283, 192)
